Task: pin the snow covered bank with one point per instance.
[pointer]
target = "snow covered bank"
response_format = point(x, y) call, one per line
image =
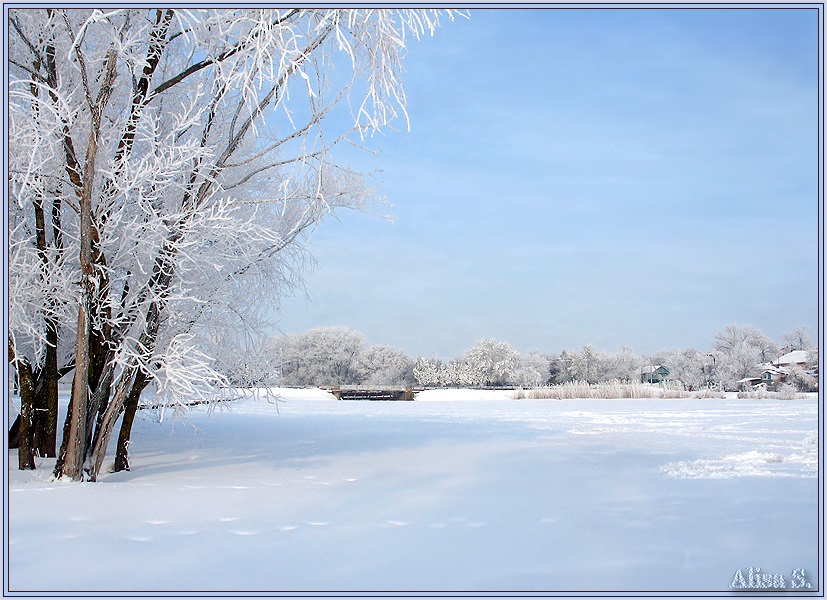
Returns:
point(455, 395)
point(306, 494)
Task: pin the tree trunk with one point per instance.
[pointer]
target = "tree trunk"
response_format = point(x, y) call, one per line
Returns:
point(71, 464)
point(51, 370)
point(72, 450)
point(14, 434)
point(45, 416)
point(131, 408)
point(127, 386)
point(98, 405)
point(44, 379)
point(64, 444)
point(25, 450)
point(110, 417)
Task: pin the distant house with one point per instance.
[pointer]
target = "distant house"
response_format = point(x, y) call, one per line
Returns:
point(772, 375)
point(795, 358)
point(654, 374)
point(748, 383)
point(764, 376)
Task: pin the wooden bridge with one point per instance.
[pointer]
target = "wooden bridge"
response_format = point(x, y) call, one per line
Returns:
point(355, 392)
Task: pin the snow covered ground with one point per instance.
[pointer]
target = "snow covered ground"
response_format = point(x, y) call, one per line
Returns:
point(448, 493)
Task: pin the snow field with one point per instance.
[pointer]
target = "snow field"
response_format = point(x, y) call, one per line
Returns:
point(310, 494)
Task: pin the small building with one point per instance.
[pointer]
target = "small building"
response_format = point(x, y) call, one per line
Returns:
point(773, 375)
point(795, 358)
point(751, 383)
point(654, 374)
point(766, 376)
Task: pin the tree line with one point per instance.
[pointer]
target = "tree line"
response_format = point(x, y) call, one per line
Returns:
point(325, 356)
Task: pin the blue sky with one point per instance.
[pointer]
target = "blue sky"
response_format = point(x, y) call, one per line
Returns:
point(587, 176)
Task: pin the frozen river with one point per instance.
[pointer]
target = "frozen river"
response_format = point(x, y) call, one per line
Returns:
point(441, 494)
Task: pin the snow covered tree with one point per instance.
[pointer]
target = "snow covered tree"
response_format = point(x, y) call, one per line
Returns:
point(165, 167)
point(426, 372)
point(533, 370)
point(385, 365)
point(737, 350)
point(560, 368)
point(322, 356)
point(246, 362)
point(804, 379)
point(797, 339)
point(459, 372)
point(586, 365)
point(454, 373)
point(801, 379)
point(621, 366)
point(690, 367)
point(492, 363)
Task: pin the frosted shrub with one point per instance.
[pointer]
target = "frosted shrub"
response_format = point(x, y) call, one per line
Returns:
point(614, 390)
point(624, 389)
point(787, 392)
point(759, 394)
point(564, 391)
point(575, 389)
point(801, 380)
point(581, 389)
point(674, 391)
point(784, 392)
